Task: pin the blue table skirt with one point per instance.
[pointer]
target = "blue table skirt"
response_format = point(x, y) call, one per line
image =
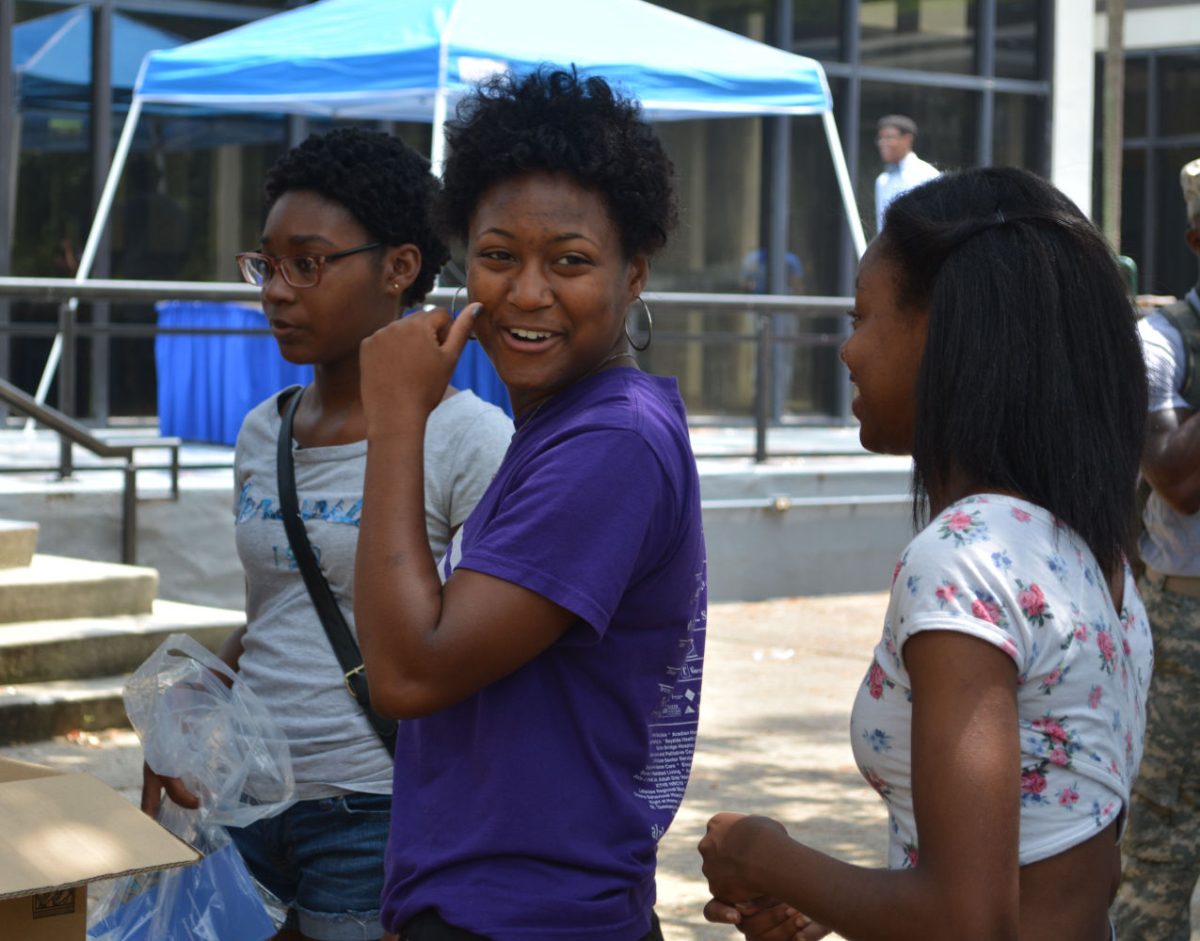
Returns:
point(207, 383)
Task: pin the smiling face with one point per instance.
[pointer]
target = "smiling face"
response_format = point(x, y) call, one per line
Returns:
point(544, 259)
point(884, 357)
point(356, 295)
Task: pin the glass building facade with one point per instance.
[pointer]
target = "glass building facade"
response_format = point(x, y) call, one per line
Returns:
point(1162, 133)
point(973, 74)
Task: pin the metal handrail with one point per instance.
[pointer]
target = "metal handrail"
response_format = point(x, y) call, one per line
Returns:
point(71, 432)
point(763, 306)
point(63, 290)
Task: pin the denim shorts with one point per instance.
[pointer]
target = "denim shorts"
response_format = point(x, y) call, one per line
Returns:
point(323, 860)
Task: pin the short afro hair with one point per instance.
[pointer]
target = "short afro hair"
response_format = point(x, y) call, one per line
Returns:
point(554, 121)
point(381, 181)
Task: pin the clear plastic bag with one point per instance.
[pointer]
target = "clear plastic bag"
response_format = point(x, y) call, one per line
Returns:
point(216, 736)
point(221, 741)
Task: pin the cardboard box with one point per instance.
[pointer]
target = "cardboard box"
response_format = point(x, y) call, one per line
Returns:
point(60, 831)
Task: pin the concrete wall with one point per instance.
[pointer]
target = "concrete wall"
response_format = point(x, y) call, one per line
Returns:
point(830, 539)
point(190, 542)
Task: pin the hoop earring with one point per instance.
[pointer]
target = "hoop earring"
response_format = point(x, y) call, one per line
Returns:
point(454, 316)
point(649, 326)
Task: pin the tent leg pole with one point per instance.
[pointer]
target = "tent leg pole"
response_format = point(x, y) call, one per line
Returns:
point(849, 204)
point(103, 209)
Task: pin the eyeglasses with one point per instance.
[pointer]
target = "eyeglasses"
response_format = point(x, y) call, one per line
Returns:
point(300, 271)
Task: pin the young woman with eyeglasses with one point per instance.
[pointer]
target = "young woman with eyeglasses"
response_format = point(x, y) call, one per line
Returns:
point(346, 248)
point(549, 688)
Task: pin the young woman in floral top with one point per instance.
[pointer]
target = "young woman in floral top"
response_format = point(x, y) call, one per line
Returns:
point(1002, 717)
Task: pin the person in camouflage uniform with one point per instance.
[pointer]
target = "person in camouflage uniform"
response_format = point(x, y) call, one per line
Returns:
point(1161, 847)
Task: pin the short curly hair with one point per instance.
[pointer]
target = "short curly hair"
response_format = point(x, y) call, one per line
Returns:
point(381, 181)
point(556, 121)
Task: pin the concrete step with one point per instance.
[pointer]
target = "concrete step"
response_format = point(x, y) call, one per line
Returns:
point(55, 587)
point(78, 648)
point(94, 657)
point(31, 712)
point(18, 542)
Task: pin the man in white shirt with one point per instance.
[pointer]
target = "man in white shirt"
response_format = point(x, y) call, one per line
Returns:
point(903, 169)
point(1161, 847)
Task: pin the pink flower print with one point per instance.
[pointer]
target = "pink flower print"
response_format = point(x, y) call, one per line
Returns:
point(945, 593)
point(877, 782)
point(896, 571)
point(1032, 601)
point(910, 856)
point(1059, 756)
point(986, 610)
point(1094, 697)
point(1104, 641)
point(1068, 797)
point(958, 521)
point(962, 527)
point(1032, 782)
point(1020, 515)
point(1051, 729)
point(1125, 648)
point(1052, 679)
point(875, 681)
point(1081, 632)
point(1011, 649)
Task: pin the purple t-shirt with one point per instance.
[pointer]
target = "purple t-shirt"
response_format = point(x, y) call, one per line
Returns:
point(533, 809)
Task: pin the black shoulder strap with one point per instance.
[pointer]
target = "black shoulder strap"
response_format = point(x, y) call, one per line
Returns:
point(340, 638)
point(1184, 318)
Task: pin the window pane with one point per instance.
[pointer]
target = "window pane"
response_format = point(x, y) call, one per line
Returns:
point(748, 17)
point(817, 28)
point(946, 121)
point(718, 167)
point(1017, 39)
point(1174, 263)
point(1179, 97)
point(1136, 79)
point(1133, 213)
point(1018, 132)
point(930, 35)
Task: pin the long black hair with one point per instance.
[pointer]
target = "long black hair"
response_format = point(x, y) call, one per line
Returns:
point(1032, 378)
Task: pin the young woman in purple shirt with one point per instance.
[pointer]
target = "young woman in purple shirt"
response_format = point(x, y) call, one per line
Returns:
point(548, 671)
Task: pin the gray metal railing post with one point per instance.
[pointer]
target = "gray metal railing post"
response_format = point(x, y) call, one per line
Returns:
point(66, 384)
point(762, 385)
point(129, 516)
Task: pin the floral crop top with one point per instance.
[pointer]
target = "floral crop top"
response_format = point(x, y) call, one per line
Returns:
point(1005, 571)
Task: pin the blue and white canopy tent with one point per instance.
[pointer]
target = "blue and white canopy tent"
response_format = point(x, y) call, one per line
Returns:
point(383, 60)
point(52, 56)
